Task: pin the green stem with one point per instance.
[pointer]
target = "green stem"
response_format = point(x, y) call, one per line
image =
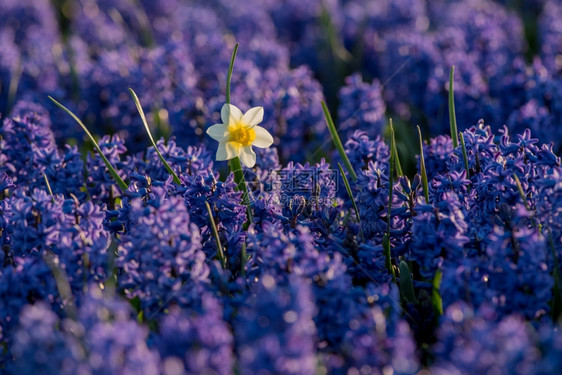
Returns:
point(435, 293)
point(236, 168)
point(234, 164)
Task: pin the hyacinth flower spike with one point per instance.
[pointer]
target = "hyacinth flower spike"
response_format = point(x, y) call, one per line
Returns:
point(238, 133)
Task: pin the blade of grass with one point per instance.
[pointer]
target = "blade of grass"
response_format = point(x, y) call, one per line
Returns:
point(464, 155)
point(220, 252)
point(348, 188)
point(49, 188)
point(335, 41)
point(337, 142)
point(394, 151)
point(62, 283)
point(229, 75)
point(13, 87)
point(388, 255)
point(452, 116)
point(521, 192)
point(423, 171)
point(111, 281)
point(386, 237)
point(122, 185)
point(147, 128)
point(243, 259)
point(144, 22)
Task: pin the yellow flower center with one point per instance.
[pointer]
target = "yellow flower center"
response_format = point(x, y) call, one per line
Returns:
point(242, 134)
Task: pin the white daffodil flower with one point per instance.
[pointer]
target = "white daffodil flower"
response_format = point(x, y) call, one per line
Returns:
point(238, 133)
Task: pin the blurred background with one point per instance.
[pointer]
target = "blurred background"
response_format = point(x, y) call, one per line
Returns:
point(370, 60)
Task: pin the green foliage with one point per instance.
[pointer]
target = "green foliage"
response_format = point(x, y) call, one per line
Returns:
point(122, 185)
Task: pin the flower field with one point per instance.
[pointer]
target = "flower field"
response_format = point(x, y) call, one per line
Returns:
point(280, 187)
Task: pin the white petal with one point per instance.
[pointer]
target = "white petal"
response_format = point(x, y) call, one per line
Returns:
point(263, 138)
point(227, 150)
point(218, 132)
point(230, 114)
point(253, 117)
point(247, 156)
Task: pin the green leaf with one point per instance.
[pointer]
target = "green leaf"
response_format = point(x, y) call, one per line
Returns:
point(435, 295)
point(122, 185)
point(464, 155)
point(337, 142)
point(388, 255)
point(220, 252)
point(135, 302)
point(348, 188)
point(423, 170)
point(229, 75)
point(406, 283)
point(452, 116)
point(147, 128)
point(394, 151)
